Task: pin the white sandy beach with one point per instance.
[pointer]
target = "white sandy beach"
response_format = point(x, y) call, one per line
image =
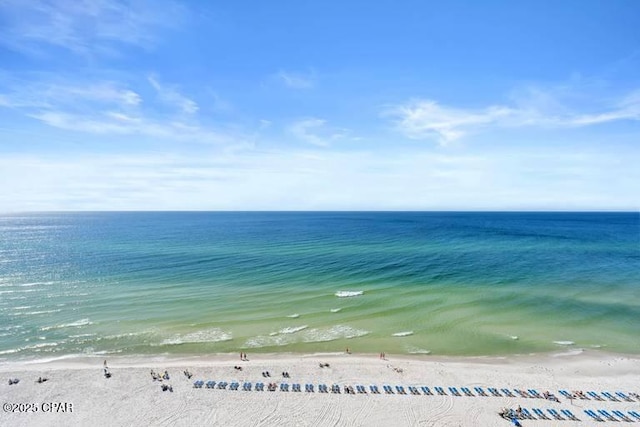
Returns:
point(132, 397)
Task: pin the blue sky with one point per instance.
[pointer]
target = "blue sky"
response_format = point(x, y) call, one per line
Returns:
point(324, 105)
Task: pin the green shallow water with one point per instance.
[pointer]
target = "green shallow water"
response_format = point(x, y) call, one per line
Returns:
point(449, 283)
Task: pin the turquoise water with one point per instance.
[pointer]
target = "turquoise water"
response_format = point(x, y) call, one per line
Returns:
point(445, 283)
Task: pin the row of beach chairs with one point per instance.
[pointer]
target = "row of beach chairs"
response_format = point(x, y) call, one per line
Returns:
point(454, 391)
point(619, 396)
point(599, 415)
point(602, 415)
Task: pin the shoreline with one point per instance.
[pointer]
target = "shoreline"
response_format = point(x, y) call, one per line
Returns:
point(71, 361)
point(132, 397)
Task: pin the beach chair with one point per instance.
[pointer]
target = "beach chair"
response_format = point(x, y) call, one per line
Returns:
point(246, 386)
point(387, 389)
point(210, 384)
point(595, 395)
point(567, 413)
point(610, 396)
point(454, 391)
point(622, 416)
point(373, 388)
point(522, 393)
point(413, 390)
point(555, 414)
point(400, 389)
point(635, 415)
point(440, 391)
point(535, 393)
point(467, 392)
point(623, 396)
point(426, 391)
point(335, 389)
point(494, 392)
point(507, 392)
point(540, 414)
point(480, 391)
point(525, 412)
point(566, 394)
point(259, 387)
point(607, 415)
point(284, 387)
point(361, 389)
point(593, 415)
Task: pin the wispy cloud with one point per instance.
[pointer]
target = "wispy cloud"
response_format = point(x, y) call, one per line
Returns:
point(172, 97)
point(85, 26)
point(424, 119)
point(296, 80)
point(110, 108)
point(315, 131)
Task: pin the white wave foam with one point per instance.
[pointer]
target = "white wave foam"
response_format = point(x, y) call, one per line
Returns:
point(415, 350)
point(307, 336)
point(402, 334)
point(10, 351)
point(564, 342)
point(514, 337)
point(206, 335)
point(292, 330)
point(76, 324)
point(294, 315)
point(347, 294)
point(335, 310)
point(333, 333)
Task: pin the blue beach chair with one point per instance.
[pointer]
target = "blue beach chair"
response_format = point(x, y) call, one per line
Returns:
point(595, 395)
point(540, 414)
point(535, 393)
point(440, 391)
point(400, 389)
point(467, 392)
point(335, 389)
point(622, 416)
point(246, 386)
point(480, 391)
point(607, 415)
point(454, 391)
point(494, 392)
point(507, 392)
point(555, 414)
point(567, 413)
point(635, 415)
point(413, 390)
point(566, 394)
point(610, 396)
point(593, 415)
point(623, 396)
point(259, 387)
point(525, 412)
point(426, 391)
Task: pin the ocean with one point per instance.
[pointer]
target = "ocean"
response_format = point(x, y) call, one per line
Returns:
point(442, 283)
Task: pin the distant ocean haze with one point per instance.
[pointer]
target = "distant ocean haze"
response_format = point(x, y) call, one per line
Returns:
point(452, 283)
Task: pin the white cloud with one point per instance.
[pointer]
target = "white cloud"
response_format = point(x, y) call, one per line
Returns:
point(85, 26)
point(314, 131)
point(110, 108)
point(423, 119)
point(172, 97)
point(296, 80)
